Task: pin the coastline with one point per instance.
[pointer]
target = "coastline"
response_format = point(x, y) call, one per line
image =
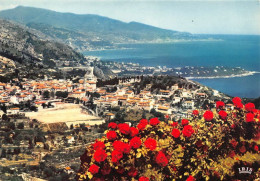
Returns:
point(226, 77)
point(152, 42)
point(171, 41)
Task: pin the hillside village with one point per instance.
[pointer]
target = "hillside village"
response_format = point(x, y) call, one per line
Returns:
point(30, 143)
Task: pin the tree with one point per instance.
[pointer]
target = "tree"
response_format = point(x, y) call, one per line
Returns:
point(11, 125)
point(61, 94)
point(3, 108)
point(20, 126)
point(4, 117)
point(46, 94)
point(48, 172)
point(52, 94)
point(3, 155)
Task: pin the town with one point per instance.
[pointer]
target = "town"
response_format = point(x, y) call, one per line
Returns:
point(46, 124)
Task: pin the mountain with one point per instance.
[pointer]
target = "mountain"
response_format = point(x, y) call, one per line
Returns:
point(31, 54)
point(88, 31)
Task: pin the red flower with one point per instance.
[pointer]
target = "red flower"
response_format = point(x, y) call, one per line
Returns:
point(220, 104)
point(112, 125)
point(124, 128)
point(116, 155)
point(222, 114)
point(144, 121)
point(133, 131)
point(255, 111)
point(233, 143)
point(184, 122)
point(150, 143)
point(233, 126)
point(142, 124)
point(132, 172)
point(98, 145)
point(190, 178)
point(100, 155)
point(187, 131)
point(232, 154)
point(93, 169)
point(250, 107)
point(106, 169)
point(127, 148)
point(154, 121)
point(135, 142)
point(250, 117)
point(121, 146)
point(176, 133)
point(174, 124)
point(195, 112)
point(166, 116)
point(118, 145)
point(242, 149)
point(161, 159)
point(239, 105)
point(236, 100)
point(111, 135)
point(208, 115)
point(143, 178)
point(256, 148)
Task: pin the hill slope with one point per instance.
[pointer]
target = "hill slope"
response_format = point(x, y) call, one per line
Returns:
point(31, 52)
point(88, 31)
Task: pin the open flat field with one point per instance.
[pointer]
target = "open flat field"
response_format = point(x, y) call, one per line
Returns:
point(68, 113)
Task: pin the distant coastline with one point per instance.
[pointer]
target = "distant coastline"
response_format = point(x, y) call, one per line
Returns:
point(226, 76)
point(170, 41)
point(113, 47)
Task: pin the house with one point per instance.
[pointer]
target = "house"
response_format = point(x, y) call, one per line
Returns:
point(68, 170)
point(230, 106)
point(39, 145)
point(110, 116)
point(129, 93)
point(188, 105)
point(70, 139)
point(175, 87)
point(186, 94)
point(176, 100)
point(145, 105)
point(165, 93)
point(201, 95)
point(2, 86)
point(14, 110)
point(164, 109)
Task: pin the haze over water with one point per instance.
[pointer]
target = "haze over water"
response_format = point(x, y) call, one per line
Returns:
point(231, 51)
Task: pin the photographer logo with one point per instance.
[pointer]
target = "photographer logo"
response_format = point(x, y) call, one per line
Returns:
point(246, 170)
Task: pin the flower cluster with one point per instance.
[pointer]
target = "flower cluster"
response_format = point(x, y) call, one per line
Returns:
point(196, 148)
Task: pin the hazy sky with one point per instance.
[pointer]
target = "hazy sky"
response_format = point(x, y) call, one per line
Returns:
point(206, 16)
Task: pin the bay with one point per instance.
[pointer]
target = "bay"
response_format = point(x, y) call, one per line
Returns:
point(226, 50)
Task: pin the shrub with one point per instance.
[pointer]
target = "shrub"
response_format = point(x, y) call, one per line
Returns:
point(204, 148)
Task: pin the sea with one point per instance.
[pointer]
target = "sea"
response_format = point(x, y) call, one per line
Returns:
point(214, 50)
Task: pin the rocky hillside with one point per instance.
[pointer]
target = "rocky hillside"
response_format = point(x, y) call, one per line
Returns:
point(32, 52)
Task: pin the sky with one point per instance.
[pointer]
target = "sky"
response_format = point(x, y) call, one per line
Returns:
point(194, 16)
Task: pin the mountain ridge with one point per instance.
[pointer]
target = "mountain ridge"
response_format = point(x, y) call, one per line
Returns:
point(89, 31)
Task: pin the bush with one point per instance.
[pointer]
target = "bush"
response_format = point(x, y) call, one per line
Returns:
point(207, 147)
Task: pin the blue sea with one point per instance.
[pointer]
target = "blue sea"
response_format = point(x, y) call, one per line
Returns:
point(229, 50)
